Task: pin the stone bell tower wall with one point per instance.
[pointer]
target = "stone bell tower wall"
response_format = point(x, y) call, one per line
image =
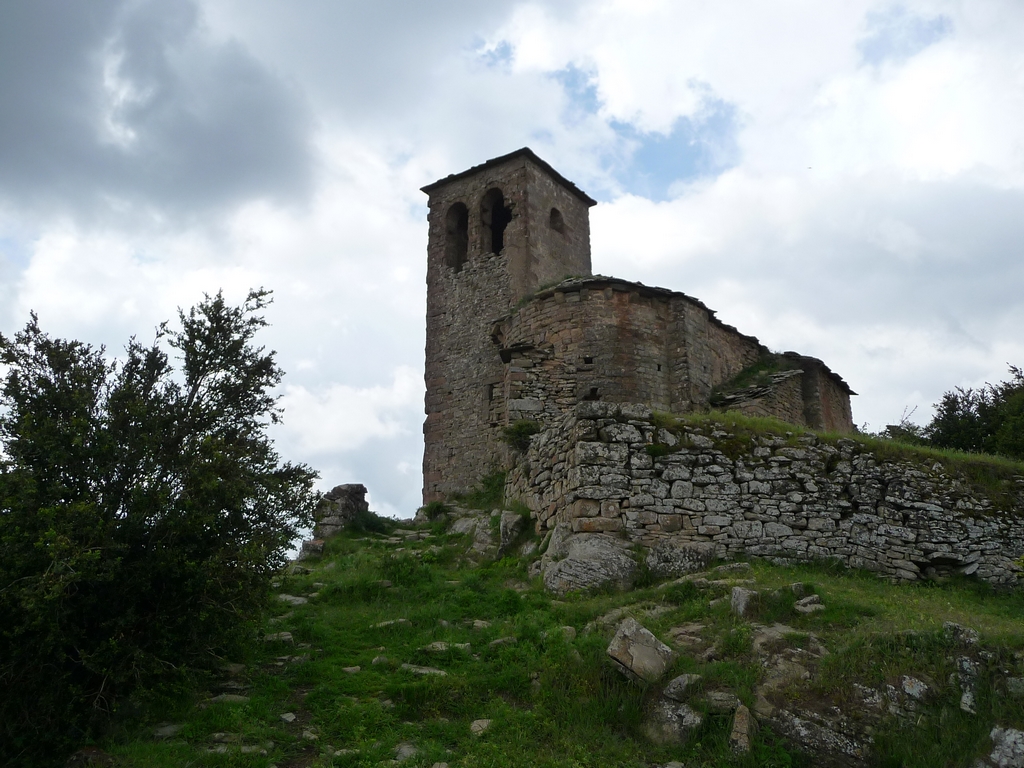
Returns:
point(497, 232)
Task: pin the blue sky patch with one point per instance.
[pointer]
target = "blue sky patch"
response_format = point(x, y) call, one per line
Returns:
point(702, 145)
point(581, 89)
point(896, 34)
point(498, 57)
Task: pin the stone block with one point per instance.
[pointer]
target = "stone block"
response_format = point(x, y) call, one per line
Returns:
point(682, 489)
point(670, 523)
point(596, 525)
point(585, 508)
point(608, 454)
point(621, 433)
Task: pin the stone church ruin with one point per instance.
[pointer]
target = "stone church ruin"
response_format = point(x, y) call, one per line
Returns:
point(518, 327)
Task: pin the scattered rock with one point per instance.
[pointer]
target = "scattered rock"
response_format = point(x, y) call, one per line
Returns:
point(417, 670)
point(480, 624)
point(809, 604)
point(762, 707)
point(721, 702)
point(963, 636)
point(1015, 686)
point(390, 623)
point(351, 670)
point(827, 738)
point(279, 637)
point(310, 735)
point(441, 646)
point(377, 660)
point(743, 728)
point(478, 727)
point(669, 559)
point(89, 756)
point(405, 751)
point(914, 688)
point(639, 653)
point(670, 722)
point(226, 738)
point(784, 673)
point(233, 669)
point(1007, 748)
point(502, 641)
point(743, 601)
point(288, 717)
point(167, 731)
point(678, 688)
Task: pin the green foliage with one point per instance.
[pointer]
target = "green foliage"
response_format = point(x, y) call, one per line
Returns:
point(367, 521)
point(489, 494)
point(436, 509)
point(757, 374)
point(518, 434)
point(555, 700)
point(143, 511)
point(990, 419)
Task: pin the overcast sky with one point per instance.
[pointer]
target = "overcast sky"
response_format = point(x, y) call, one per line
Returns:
point(841, 179)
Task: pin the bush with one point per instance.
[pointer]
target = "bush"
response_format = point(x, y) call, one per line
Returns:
point(518, 434)
point(143, 511)
point(990, 419)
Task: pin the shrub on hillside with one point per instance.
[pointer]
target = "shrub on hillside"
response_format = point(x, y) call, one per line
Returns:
point(143, 511)
point(990, 419)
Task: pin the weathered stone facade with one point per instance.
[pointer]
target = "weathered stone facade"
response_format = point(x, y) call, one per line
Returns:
point(795, 498)
point(518, 328)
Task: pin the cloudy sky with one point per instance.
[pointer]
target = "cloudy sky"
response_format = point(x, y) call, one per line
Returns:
point(842, 179)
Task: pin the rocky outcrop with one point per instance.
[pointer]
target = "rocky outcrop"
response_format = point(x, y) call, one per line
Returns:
point(582, 561)
point(338, 508)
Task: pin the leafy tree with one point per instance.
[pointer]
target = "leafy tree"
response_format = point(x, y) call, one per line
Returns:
point(990, 419)
point(143, 511)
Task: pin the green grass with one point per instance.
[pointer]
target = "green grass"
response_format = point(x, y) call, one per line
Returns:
point(554, 701)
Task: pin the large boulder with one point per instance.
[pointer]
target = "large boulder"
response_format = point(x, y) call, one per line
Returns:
point(669, 559)
point(338, 508)
point(670, 722)
point(581, 561)
point(512, 524)
point(638, 653)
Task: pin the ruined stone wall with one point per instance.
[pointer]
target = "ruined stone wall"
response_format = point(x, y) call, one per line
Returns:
point(794, 498)
point(784, 400)
point(610, 340)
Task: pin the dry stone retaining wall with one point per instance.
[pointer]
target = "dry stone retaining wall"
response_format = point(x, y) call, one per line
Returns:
point(791, 498)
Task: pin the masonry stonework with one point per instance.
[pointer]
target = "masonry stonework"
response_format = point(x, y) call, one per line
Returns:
point(519, 328)
point(785, 497)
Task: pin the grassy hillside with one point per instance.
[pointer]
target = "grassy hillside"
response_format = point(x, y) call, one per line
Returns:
point(536, 668)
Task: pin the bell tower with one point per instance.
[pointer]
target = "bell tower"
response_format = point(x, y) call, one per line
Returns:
point(497, 233)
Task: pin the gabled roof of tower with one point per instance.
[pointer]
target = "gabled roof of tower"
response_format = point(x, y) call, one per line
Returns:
point(524, 152)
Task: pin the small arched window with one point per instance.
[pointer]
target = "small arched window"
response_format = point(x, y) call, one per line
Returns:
point(494, 217)
point(456, 242)
point(556, 222)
